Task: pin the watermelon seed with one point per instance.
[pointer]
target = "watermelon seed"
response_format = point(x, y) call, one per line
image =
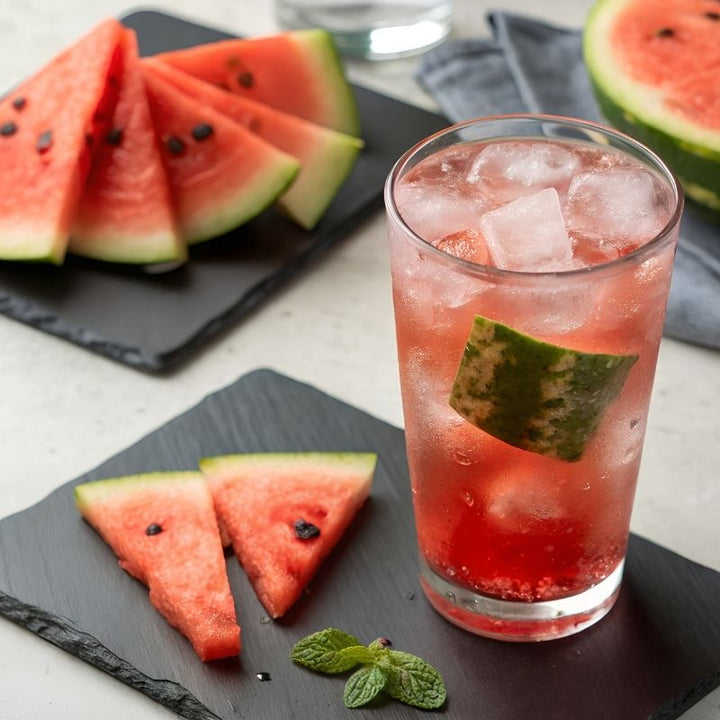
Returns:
point(305, 530)
point(665, 32)
point(8, 129)
point(712, 16)
point(263, 676)
point(114, 137)
point(246, 79)
point(44, 141)
point(19, 103)
point(202, 131)
point(153, 529)
point(175, 145)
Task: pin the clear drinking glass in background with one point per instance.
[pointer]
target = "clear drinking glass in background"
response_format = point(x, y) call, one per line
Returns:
point(372, 29)
point(518, 544)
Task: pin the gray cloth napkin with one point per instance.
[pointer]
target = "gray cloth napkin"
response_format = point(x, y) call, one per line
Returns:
point(530, 66)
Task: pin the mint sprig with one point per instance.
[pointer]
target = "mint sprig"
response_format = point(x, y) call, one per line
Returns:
point(402, 675)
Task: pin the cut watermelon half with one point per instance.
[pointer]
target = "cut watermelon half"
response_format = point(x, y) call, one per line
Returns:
point(655, 69)
point(162, 527)
point(285, 512)
point(126, 214)
point(298, 72)
point(220, 174)
point(44, 126)
point(326, 156)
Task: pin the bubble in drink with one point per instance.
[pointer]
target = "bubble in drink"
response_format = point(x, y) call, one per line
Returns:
point(618, 208)
point(512, 169)
point(528, 234)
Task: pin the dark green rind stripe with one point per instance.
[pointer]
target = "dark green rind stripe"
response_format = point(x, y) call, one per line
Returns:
point(697, 168)
point(533, 395)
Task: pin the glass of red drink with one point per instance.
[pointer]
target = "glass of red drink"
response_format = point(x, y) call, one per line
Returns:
point(565, 232)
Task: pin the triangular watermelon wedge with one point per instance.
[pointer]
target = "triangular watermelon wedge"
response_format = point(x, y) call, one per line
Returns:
point(284, 512)
point(298, 72)
point(126, 213)
point(162, 527)
point(326, 156)
point(221, 175)
point(44, 156)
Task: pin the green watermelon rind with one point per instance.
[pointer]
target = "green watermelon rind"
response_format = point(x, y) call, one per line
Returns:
point(246, 203)
point(691, 151)
point(533, 395)
point(321, 47)
point(306, 201)
point(359, 461)
point(87, 494)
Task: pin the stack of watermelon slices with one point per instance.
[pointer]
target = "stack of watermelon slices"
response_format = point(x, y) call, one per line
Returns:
point(120, 159)
point(282, 512)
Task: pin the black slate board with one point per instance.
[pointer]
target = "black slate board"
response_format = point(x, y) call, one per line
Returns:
point(656, 654)
point(155, 321)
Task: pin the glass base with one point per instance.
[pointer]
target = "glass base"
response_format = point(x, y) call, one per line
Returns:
point(520, 621)
point(372, 30)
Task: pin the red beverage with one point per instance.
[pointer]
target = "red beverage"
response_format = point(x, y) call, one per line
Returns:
point(570, 243)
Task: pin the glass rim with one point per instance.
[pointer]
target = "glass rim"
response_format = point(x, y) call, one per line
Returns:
point(645, 249)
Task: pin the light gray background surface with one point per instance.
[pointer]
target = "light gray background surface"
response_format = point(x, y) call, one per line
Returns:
point(64, 410)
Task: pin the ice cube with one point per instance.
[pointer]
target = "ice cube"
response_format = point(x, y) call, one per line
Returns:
point(528, 234)
point(435, 200)
point(512, 169)
point(617, 208)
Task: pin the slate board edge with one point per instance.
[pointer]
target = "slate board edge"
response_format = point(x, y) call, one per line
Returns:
point(674, 708)
point(63, 634)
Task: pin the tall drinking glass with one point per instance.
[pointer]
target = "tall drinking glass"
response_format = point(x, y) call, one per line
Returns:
point(563, 232)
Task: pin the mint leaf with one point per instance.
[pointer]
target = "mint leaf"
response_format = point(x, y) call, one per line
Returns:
point(363, 685)
point(357, 654)
point(325, 651)
point(412, 681)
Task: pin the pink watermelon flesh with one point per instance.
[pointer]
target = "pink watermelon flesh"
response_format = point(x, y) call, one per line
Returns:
point(326, 156)
point(260, 498)
point(44, 156)
point(126, 213)
point(220, 174)
point(298, 72)
point(183, 564)
point(676, 50)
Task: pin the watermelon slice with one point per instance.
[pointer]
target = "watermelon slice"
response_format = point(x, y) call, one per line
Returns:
point(326, 156)
point(221, 175)
point(44, 123)
point(298, 72)
point(126, 213)
point(285, 512)
point(655, 68)
point(162, 527)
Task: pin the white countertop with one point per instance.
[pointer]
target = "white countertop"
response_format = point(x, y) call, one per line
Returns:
point(65, 410)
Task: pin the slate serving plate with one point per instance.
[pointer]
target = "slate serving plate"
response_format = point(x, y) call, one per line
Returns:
point(153, 322)
point(652, 657)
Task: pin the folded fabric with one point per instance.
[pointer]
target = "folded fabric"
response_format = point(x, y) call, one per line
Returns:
point(531, 66)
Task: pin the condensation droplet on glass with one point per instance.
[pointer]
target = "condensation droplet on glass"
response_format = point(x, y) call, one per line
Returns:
point(464, 570)
point(461, 458)
point(450, 595)
point(469, 499)
point(450, 570)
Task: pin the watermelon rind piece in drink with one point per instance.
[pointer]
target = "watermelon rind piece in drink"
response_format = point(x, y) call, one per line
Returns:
point(45, 123)
point(534, 395)
point(126, 212)
point(326, 156)
point(299, 72)
point(163, 529)
point(221, 175)
point(284, 513)
point(654, 68)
